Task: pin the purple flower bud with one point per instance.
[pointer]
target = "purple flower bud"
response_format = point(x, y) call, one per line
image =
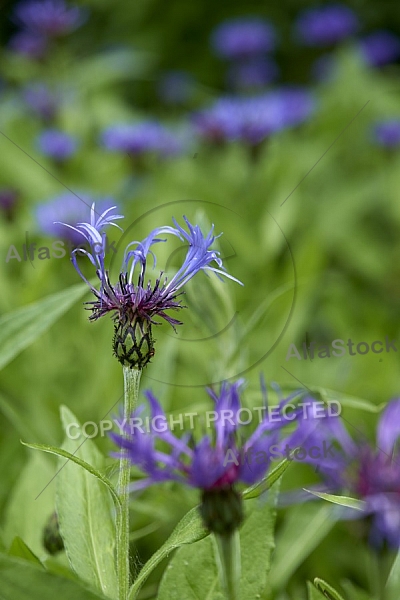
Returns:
point(51, 18)
point(380, 48)
point(326, 25)
point(387, 133)
point(244, 37)
point(8, 201)
point(57, 144)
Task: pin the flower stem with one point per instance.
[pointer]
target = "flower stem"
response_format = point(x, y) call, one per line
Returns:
point(227, 547)
point(131, 392)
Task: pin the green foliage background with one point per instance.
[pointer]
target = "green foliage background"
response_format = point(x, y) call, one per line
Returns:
point(312, 229)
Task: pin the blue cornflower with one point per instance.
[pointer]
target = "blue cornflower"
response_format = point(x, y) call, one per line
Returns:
point(243, 37)
point(326, 25)
point(387, 133)
point(380, 48)
point(361, 471)
point(50, 18)
point(70, 209)
point(57, 144)
point(251, 120)
point(135, 306)
point(141, 138)
point(217, 465)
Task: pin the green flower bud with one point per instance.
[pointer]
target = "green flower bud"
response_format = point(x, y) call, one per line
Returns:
point(133, 342)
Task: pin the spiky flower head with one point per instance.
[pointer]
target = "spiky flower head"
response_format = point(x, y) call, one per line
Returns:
point(135, 303)
point(217, 465)
point(359, 470)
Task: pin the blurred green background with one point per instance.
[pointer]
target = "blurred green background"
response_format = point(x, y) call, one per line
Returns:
point(311, 226)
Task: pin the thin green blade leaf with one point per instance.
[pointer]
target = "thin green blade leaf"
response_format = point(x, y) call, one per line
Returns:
point(64, 454)
point(341, 500)
point(258, 488)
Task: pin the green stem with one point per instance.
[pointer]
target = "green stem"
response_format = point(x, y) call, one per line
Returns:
point(227, 553)
point(131, 392)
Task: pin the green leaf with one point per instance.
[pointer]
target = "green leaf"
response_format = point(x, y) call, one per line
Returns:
point(341, 500)
point(305, 526)
point(258, 488)
point(313, 593)
point(181, 578)
point(353, 592)
point(21, 327)
point(26, 515)
point(189, 530)
point(20, 549)
point(64, 454)
point(192, 574)
point(84, 510)
point(21, 580)
point(327, 589)
point(393, 581)
point(257, 542)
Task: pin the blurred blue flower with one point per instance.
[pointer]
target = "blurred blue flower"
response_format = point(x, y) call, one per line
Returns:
point(57, 144)
point(387, 133)
point(251, 120)
point(253, 73)
point(380, 48)
point(28, 44)
point(243, 37)
point(361, 471)
point(50, 18)
point(70, 209)
point(175, 87)
point(325, 25)
point(140, 138)
point(217, 462)
point(41, 100)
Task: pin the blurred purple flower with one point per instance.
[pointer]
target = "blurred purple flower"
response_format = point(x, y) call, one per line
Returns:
point(387, 133)
point(360, 471)
point(380, 48)
point(253, 73)
point(57, 144)
point(140, 138)
point(50, 18)
point(175, 87)
point(251, 120)
point(218, 461)
point(325, 25)
point(243, 37)
point(28, 44)
point(70, 209)
point(8, 200)
point(41, 100)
